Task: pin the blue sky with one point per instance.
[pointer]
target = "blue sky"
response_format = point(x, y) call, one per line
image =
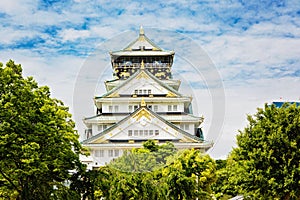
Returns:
point(253, 45)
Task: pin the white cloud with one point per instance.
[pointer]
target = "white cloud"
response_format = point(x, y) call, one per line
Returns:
point(103, 32)
point(72, 34)
point(284, 26)
point(17, 6)
point(258, 56)
point(10, 35)
point(80, 1)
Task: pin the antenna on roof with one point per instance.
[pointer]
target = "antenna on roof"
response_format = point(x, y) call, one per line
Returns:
point(142, 31)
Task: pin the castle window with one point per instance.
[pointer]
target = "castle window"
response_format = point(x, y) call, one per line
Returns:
point(116, 108)
point(174, 107)
point(130, 108)
point(142, 133)
point(142, 91)
point(155, 107)
point(182, 126)
point(88, 132)
point(150, 132)
point(187, 127)
point(117, 152)
point(110, 109)
point(99, 153)
point(110, 153)
point(104, 126)
point(169, 108)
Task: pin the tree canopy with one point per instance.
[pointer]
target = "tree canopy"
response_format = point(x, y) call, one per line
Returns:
point(146, 159)
point(265, 165)
point(189, 175)
point(38, 143)
point(152, 172)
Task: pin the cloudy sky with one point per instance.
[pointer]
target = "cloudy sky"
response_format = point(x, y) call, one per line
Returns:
point(233, 56)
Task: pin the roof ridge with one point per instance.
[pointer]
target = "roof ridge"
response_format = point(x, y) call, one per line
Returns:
point(162, 83)
point(119, 86)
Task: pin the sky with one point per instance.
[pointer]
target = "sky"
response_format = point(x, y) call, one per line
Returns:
point(232, 56)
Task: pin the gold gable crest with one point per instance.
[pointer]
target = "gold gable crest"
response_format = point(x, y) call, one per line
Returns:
point(142, 113)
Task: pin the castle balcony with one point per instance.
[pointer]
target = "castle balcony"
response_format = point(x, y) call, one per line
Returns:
point(138, 65)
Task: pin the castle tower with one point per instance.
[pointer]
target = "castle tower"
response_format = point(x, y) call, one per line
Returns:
point(142, 102)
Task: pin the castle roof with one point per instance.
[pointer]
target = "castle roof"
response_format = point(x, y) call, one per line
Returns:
point(142, 75)
point(140, 116)
point(142, 46)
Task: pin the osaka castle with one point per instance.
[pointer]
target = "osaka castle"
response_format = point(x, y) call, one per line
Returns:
point(142, 102)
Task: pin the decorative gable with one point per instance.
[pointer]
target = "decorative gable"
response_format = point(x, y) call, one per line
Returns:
point(142, 125)
point(142, 83)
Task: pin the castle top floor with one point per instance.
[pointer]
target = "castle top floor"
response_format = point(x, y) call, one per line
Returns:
point(128, 60)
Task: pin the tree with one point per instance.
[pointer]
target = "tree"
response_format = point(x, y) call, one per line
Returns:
point(189, 175)
point(91, 184)
point(146, 159)
point(152, 172)
point(266, 162)
point(38, 143)
point(222, 189)
point(137, 173)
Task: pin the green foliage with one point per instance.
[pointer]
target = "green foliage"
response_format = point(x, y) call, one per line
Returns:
point(141, 186)
point(38, 143)
point(150, 145)
point(222, 189)
point(157, 172)
point(189, 175)
point(266, 162)
point(91, 184)
point(146, 159)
